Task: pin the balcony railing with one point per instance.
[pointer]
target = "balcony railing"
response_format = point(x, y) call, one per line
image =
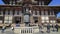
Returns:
point(26, 30)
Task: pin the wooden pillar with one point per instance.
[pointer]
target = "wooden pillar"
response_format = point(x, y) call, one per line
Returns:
point(33, 12)
point(39, 20)
point(37, 12)
point(53, 12)
point(46, 12)
point(39, 3)
point(31, 19)
point(42, 3)
point(50, 13)
point(22, 21)
point(42, 12)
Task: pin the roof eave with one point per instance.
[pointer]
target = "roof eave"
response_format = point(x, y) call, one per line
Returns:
point(6, 1)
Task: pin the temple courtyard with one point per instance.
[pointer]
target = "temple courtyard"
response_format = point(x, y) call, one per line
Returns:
point(8, 31)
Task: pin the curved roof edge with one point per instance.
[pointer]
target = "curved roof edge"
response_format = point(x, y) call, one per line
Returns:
point(46, 1)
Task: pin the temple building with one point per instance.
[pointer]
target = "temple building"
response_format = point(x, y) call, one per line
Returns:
point(28, 12)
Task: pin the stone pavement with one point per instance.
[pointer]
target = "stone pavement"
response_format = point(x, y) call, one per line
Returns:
point(48, 33)
point(9, 31)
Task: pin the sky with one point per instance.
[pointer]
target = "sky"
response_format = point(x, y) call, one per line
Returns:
point(53, 3)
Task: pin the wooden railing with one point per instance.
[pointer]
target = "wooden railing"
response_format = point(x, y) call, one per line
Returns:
point(26, 30)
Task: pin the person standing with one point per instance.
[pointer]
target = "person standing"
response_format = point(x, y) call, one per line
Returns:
point(48, 28)
point(56, 26)
point(3, 29)
point(42, 28)
point(12, 28)
point(53, 26)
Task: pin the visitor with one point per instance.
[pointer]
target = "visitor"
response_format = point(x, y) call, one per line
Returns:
point(56, 26)
point(3, 29)
point(48, 28)
point(39, 27)
point(42, 28)
point(12, 28)
point(53, 26)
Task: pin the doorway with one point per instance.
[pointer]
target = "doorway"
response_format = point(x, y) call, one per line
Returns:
point(35, 19)
point(17, 20)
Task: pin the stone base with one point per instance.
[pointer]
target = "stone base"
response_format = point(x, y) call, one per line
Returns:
point(17, 30)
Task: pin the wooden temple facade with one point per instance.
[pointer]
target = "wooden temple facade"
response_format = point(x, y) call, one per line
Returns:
point(28, 12)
